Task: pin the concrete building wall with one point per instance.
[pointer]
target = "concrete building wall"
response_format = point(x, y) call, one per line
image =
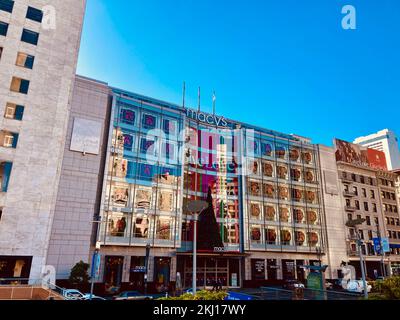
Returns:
point(334, 212)
point(80, 183)
point(28, 206)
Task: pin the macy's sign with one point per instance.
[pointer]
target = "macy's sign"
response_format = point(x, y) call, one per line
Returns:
point(207, 118)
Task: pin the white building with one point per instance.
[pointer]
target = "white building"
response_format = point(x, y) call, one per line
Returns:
point(39, 43)
point(385, 141)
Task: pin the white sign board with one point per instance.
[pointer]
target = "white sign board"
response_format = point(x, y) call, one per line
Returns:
point(86, 136)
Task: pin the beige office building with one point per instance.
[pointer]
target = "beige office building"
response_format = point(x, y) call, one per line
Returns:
point(39, 43)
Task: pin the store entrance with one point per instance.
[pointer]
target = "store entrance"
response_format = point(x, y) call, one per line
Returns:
point(211, 271)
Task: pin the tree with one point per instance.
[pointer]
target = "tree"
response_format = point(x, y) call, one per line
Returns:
point(79, 274)
point(209, 235)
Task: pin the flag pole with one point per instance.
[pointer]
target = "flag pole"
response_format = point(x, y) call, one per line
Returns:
point(199, 95)
point(184, 94)
point(214, 98)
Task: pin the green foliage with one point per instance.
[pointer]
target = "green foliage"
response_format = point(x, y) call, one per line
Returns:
point(388, 289)
point(200, 295)
point(79, 274)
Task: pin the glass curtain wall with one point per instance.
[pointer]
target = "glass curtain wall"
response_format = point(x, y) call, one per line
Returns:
point(282, 206)
point(212, 163)
point(142, 194)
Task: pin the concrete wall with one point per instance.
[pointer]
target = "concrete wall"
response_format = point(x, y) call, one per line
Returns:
point(334, 212)
point(30, 200)
point(80, 183)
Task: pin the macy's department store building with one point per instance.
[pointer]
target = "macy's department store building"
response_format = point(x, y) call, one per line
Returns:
point(264, 221)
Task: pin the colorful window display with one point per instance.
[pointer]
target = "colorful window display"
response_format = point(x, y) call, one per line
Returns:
point(286, 237)
point(143, 198)
point(297, 194)
point(119, 167)
point(117, 225)
point(294, 154)
point(170, 127)
point(284, 214)
point(120, 195)
point(255, 188)
point(270, 213)
point(283, 192)
point(140, 228)
point(271, 236)
point(255, 210)
point(149, 121)
point(307, 157)
point(298, 215)
point(255, 235)
point(128, 116)
point(165, 200)
point(164, 228)
point(282, 172)
point(269, 190)
point(295, 174)
point(268, 169)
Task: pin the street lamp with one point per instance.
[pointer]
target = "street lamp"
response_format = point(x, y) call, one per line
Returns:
point(146, 267)
point(354, 224)
point(195, 207)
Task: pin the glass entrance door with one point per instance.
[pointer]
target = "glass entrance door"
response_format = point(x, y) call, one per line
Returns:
point(212, 271)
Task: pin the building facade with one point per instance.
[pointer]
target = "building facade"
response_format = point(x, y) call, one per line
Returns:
point(390, 208)
point(39, 42)
point(369, 193)
point(265, 221)
point(385, 141)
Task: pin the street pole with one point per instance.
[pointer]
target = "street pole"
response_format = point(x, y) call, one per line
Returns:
point(359, 242)
point(93, 272)
point(146, 267)
point(194, 281)
point(383, 271)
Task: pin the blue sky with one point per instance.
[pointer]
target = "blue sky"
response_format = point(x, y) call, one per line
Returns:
point(285, 65)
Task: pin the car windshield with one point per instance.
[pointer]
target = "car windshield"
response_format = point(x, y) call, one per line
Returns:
point(133, 293)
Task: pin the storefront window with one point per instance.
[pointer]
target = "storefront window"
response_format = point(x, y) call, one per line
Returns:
point(254, 188)
point(164, 228)
point(170, 127)
point(282, 172)
point(268, 169)
point(120, 195)
point(128, 116)
point(140, 226)
point(255, 210)
point(255, 234)
point(270, 213)
point(269, 190)
point(149, 121)
point(143, 198)
point(166, 200)
point(118, 225)
point(271, 236)
point(283, 192)
point(286, 237)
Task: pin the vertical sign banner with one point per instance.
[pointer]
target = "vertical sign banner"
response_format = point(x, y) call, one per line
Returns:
point(377, 245)
point(385, 245)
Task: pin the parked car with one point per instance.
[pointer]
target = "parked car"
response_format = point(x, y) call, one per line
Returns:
point(132, 295)
point(94, 297)
point(72, 294)
point(357, 286)
point(291, 284)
